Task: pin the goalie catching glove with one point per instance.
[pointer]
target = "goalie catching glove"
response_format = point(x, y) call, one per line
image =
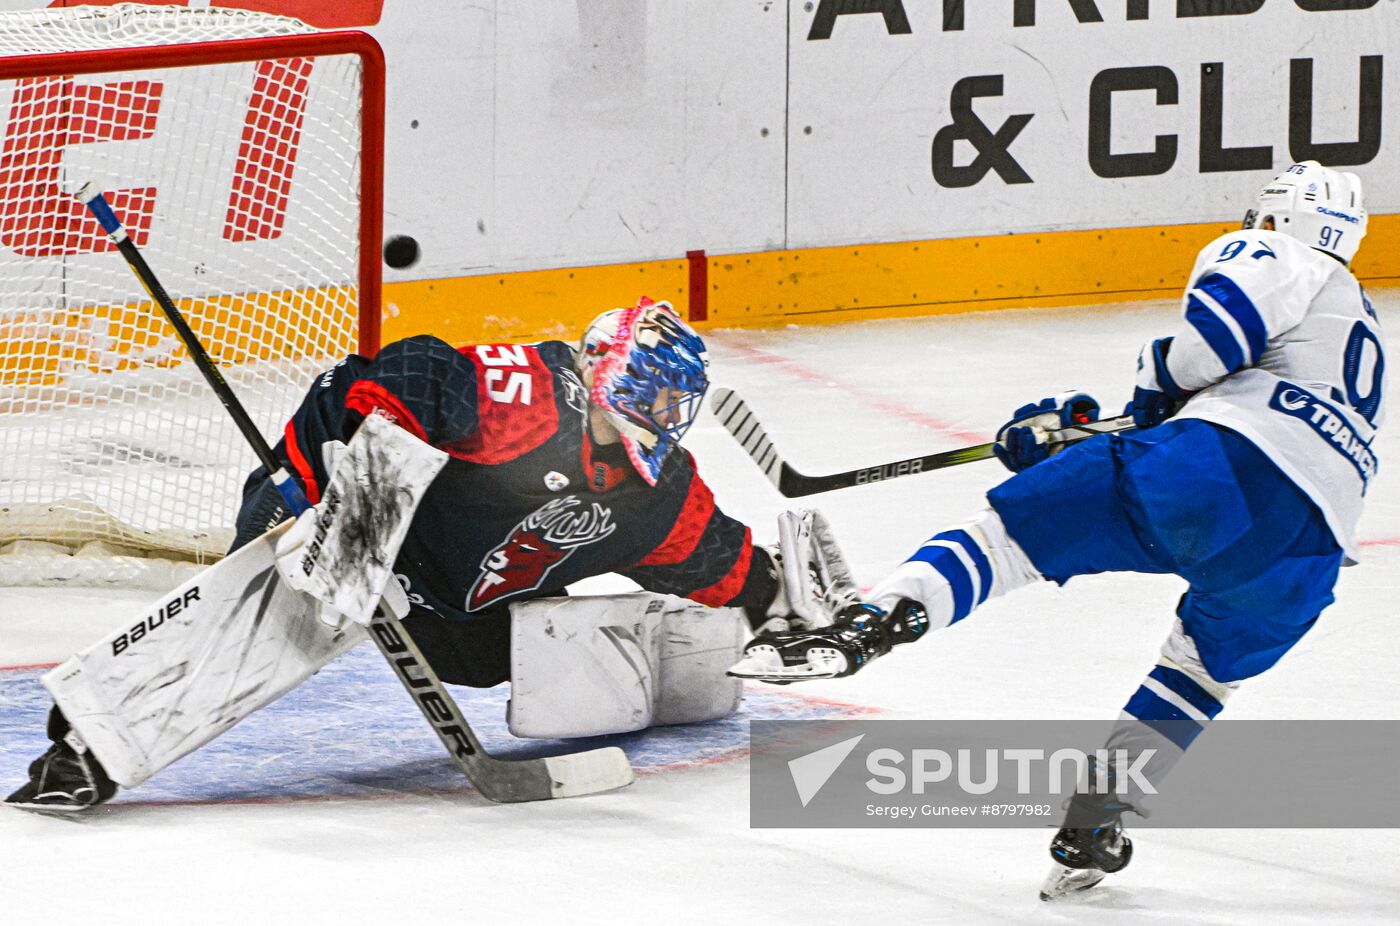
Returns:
point(860, 634)
point(814, 583)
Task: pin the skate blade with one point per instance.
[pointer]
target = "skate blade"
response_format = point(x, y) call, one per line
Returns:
point(763, 664)
point(62, 810)
point(62, 803)
point(1063, 881)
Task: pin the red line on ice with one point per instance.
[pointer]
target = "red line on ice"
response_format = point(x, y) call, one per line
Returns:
point(38, 665)
point(851, 711)
point(807, 374)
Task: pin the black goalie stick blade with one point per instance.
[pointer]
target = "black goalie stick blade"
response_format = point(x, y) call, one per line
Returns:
point(734, 413)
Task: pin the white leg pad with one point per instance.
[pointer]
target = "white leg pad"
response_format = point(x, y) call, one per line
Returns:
point(202, 657)
point(592, 666)
point(698, 646)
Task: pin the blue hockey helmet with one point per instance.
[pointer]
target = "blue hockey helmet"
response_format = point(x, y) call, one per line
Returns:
point(647, 371)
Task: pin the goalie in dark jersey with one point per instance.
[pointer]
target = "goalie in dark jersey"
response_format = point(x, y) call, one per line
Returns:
point(563, 464)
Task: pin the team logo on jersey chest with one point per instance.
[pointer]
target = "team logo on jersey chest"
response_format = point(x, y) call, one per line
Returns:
point(544, 539)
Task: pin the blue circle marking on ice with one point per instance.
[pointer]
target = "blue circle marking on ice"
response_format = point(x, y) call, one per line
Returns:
point(351, 732)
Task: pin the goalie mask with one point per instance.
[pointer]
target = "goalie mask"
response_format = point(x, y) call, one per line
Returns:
point(1321, 207)
point(647, 371)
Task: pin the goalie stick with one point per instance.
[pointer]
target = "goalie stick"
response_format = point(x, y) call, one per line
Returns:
point(734, 413)
point(500, 780)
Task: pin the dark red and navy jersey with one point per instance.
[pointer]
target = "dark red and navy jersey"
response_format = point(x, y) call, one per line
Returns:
point(526, 503)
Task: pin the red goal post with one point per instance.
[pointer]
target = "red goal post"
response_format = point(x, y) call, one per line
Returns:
point(264, 228)
point(240, 51)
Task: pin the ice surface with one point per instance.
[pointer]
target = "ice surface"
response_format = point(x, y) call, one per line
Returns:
point(676, 846)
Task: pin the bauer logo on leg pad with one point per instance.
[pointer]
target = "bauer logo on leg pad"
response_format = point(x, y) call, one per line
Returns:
point(153, 621)
point(194, 663)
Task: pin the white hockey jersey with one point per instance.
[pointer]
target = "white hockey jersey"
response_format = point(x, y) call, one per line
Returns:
point(1281, 345)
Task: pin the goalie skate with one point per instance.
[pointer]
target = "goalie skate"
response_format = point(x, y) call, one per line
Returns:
point(65, 779)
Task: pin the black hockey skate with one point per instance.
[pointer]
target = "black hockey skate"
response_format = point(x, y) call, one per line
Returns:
point(1084, 855)
point(66, 778)
point(860, 634)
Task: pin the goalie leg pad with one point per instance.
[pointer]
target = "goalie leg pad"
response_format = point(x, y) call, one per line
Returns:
point(619, 663)
point(204, 656)
point(236, 637)
point(698, 645)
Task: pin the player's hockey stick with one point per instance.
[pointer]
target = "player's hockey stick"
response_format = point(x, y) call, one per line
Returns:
point(500, 780)
point(733, 412)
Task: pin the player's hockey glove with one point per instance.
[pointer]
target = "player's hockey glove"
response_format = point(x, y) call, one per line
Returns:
point(1156, 396)
point(1025, 440)
point(860, 634)
point(291, 551)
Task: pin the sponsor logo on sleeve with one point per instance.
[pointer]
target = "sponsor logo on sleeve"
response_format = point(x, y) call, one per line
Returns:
point(575, 396)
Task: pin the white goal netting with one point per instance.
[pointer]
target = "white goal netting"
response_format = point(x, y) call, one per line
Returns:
point(240, 182)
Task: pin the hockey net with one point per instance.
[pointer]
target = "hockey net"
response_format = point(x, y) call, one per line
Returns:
point(242, 151)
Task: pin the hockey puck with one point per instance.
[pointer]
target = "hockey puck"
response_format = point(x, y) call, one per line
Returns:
point(400, 252)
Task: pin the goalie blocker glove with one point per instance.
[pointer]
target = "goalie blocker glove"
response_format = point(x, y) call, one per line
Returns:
point(860, 634)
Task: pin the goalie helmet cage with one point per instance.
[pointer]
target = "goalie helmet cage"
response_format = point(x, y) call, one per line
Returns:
point(244, 153)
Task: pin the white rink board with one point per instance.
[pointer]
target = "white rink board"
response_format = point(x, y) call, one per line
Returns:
point(530, 134)
point(875, 102)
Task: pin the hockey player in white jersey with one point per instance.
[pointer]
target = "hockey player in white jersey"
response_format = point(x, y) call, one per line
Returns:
point(1245, 476)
